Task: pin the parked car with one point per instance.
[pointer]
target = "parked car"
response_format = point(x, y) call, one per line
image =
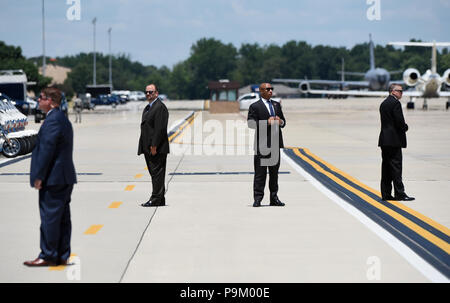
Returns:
point(112, 100)
point(124, 95)
point(246, 100)
point(40, 115)
point(137, 96)
point(163, 97)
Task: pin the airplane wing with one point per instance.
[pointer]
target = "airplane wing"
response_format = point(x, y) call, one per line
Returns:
point(361, 93)
point(325, 82)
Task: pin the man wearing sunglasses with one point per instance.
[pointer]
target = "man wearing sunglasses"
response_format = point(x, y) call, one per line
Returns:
point(154, 144)
point(52, 173)
point(391, 141)
point(266, 117)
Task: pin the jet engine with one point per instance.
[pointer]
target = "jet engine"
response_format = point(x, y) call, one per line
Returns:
point(304, 87)
point(446, 77)
point(411, 76)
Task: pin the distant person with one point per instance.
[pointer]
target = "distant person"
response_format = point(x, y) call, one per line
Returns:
point(154, 144)
point(78, 107)
point(266, 114)
point(53, 174)
point(392, 139)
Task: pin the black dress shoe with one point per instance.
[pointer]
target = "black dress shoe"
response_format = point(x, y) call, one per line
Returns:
point(388, 198)
point(153, 203)
point(405, 198)
point(257, 204)
point(276, 202)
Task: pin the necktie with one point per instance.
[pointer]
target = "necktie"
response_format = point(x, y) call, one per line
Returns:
point(272, 112)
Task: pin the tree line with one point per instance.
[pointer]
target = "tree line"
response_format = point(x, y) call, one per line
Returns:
point(210, 59)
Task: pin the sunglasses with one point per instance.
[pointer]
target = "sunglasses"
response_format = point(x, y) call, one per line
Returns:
point(149, 92)
point(269, 89)
point(398, 90)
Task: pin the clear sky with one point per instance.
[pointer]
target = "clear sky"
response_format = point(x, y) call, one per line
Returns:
point(161, 32)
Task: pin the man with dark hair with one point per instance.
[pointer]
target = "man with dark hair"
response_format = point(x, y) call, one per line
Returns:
point(391, 140)
point(52, 173)
point(266, 116)
point(154, 144)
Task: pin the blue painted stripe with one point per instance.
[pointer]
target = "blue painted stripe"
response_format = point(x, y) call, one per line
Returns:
point(434, 255)
point(377, 198)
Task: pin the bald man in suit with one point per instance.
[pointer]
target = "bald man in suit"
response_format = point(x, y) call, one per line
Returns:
point(266, 117)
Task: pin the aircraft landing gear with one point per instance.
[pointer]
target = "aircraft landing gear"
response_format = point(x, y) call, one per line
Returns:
point(448, 104)
point(410, 104)
point(425, 104)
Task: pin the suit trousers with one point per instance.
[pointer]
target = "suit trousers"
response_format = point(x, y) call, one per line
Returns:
point(391, 171)
point(259, 180)
point(56, 226)
point(157, 169)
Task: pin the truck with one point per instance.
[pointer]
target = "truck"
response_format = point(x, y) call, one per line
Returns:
point(13, 83)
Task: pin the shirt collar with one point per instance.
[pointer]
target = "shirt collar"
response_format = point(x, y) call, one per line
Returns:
point(151, 103)
point(264, 100)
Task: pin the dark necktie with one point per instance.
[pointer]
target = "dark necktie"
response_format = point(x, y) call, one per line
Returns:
point(272, 112)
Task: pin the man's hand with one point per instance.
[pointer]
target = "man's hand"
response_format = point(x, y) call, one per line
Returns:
point(273, 120)
point(38, 184)
point(153, 150)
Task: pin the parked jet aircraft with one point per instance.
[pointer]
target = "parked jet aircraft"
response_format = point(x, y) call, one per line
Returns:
point(375, 78)
point(426, 86)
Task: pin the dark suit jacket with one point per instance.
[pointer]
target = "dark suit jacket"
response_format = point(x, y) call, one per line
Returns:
point(154, 129)
point(51, 160)
point(258, 112)
point(393, 126)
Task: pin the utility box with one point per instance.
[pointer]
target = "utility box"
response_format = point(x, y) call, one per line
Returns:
point(223, 96)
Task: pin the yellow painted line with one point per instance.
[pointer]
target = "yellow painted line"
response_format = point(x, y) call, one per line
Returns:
point(411, 225)
point(177, 139)
point(416, 214)
point(129, 188)
point(60, 267)
point(138, 176)
point(182, 127)
point(93, 229)
point(115, 204)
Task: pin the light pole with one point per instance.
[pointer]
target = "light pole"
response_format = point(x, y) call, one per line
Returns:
point(110, 65)
point(43, 40)
point(94, 22)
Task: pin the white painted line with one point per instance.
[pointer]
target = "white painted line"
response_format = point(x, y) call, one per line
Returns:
point(14, 160)
point(414, 259)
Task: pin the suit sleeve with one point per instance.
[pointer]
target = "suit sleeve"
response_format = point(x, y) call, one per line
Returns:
point(399, 120)
point(161, 121)
point(47, 148)
point(252, 117)
point(282, 117)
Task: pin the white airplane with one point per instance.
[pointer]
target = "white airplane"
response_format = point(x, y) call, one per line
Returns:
point(375, 79)
point(426, 86)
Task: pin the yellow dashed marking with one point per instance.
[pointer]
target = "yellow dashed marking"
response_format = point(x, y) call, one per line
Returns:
point(129, 188)
point(93, 229)
point(60, 267)
point(138, 176)
point(115, 204)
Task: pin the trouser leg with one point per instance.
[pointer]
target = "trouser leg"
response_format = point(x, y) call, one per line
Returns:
point(273, 180)
point(396, 169)
point(386, 176)
point(55, 230)
point(157, 169)
point(259, 179)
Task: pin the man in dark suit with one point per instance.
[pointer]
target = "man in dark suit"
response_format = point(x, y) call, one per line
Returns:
point(392, 139)
point(154, 144)
point(53, 174)
point(266, 117)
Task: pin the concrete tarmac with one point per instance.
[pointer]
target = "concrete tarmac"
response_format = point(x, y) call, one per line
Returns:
point(209, 231)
